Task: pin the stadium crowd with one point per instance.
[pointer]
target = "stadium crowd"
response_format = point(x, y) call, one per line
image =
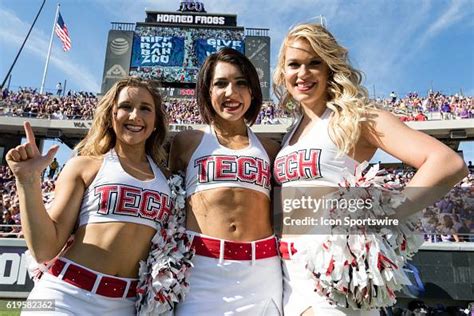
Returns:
point(435, 105)
point(449, 219)
point(10, 222)
point(27, 102)
point(187, 112)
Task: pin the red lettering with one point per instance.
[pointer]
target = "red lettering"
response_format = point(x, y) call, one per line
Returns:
point(189, 92)
point(104, 193)
point(246, 169)
point(128, 201)
point(202, 164)
point(263, 173)
point(166, 206)
point(133, 201)
point(279, 173)
point(232, 168)
point(302, 164)
point(308, 166)
point(225, 168)
point(291, 166)
point(150, 206)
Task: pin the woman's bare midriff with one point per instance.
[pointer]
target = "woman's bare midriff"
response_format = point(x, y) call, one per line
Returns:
point(111, 248)
point(230, 213)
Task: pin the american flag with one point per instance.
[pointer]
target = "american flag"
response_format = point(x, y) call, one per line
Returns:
point(62, 32)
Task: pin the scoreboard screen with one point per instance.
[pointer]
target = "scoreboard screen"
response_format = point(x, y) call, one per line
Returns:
point(175, 54)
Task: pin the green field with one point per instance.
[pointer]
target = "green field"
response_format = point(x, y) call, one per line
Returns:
point(6, 309)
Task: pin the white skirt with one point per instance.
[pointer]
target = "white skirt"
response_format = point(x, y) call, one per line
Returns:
point(71, 300)
point(233, 287)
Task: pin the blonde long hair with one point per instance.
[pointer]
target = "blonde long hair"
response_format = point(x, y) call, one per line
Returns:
point(347, 98)
point(101, 136)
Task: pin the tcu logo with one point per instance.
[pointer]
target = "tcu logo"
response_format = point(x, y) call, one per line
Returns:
point(233, 168)
point(301, 164)
point(122, 199)
point(190, 5)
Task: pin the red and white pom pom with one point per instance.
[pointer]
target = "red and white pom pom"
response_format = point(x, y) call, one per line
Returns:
point(358, 269)
point(163, 276)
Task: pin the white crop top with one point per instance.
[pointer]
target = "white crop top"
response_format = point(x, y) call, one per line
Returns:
point(312, 161)
point(116, 196)
point(215, 166)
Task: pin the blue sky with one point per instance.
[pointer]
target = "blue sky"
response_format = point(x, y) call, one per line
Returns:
point(405, 45)
point(400, 45)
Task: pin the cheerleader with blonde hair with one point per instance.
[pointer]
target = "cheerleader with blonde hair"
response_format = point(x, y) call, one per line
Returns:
point(337, 130)
point(113, 197)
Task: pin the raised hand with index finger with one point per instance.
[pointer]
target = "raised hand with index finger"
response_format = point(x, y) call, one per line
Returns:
point(26, 161)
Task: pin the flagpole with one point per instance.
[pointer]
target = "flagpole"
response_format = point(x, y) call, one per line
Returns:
point(49, 50)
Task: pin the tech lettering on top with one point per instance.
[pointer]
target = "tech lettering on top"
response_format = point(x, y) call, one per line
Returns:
point(233, 168)
point(120, 199)
point(298, 165)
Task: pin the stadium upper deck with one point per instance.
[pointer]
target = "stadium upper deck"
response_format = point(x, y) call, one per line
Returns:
point(445, 117)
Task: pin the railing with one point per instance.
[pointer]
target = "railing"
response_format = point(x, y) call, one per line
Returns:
point(8, 111)
point(45, 116)
point(14, 233)
point(122, 26)
point(256, 32)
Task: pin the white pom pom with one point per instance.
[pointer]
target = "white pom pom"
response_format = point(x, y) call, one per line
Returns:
point(163, 277)
point(359, 269)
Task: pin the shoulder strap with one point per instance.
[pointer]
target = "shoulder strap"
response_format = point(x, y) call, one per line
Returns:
point(292, 130)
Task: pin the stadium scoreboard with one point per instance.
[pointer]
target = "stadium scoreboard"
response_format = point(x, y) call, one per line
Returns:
point(172, 46)
point(197, 19)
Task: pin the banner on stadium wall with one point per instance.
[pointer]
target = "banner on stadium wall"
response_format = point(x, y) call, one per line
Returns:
point(257, 49)
point(117, 58)
point(188, 18)
point(205, 47)
point(157, 51)
point(14, 278)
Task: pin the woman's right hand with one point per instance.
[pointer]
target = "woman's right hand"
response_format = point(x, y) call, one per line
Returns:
point(26, 161)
